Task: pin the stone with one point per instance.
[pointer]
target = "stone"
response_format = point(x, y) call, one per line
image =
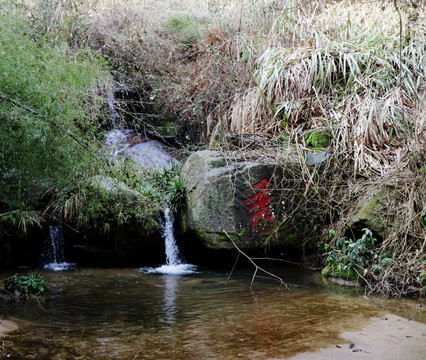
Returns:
point(112, 186)
point(150, 155)
point(145, 152)
point(233, 197)
point(368, 212)
point(315, 158)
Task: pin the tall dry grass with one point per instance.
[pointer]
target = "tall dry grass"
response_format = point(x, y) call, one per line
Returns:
point(340, 68)
point(347, 76)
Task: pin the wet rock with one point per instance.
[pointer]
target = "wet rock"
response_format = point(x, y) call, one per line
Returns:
point(147, 153)
point(150, 155)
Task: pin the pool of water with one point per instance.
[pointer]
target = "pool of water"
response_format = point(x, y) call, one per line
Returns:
point(127, 314)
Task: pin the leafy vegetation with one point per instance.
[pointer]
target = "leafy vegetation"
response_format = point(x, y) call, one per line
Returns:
point(48, 102)
point(128, 195)
point(350, 259)
point(33, 284)
point(51, 108)
point(171, 189)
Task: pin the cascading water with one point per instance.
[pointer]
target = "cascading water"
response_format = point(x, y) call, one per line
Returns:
point(174, 264)
point(172, 251)
point(54, 253)
point(115, 116)
point(148, 154)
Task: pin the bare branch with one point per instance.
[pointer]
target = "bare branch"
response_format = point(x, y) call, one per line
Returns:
point(257, 267)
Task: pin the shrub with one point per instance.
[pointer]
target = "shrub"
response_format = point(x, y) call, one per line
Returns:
point(48, 109)
point(188, 29)
point(33, 284)
point(349, 258)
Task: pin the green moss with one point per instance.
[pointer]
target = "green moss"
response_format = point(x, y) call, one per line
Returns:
point(183, 222)
point(318, 140)
point(189, 29)
point(241, 233)
point(207, 240)
point(211, 238)
point(368, 212)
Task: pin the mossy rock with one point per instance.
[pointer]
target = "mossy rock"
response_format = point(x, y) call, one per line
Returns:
point(220, 240)
point(368, 213)
point(234, 196)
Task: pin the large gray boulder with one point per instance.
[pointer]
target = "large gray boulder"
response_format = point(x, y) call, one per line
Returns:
point(146, 153)
point(234, 197)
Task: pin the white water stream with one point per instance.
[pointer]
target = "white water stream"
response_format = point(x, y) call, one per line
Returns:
point(150, 155)
point(55, 250)
point(174, 264)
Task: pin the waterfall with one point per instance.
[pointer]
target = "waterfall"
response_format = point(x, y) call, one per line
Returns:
point(115, 116)
point(174, 264)
point(172, 250)
point(148, 154)
point(54, 246)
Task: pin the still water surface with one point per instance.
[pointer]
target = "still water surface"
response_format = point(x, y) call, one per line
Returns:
point(127, 314)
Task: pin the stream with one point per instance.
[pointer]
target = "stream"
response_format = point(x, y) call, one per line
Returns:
point(177, 310)
point(90, 313)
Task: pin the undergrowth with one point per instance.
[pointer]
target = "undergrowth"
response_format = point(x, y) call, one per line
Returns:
point(24, 285)
point(48, 107)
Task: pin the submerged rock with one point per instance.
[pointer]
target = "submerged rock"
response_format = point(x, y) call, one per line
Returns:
point(235, 197)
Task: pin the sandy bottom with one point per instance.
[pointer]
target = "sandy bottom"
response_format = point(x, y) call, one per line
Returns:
point(7, 326)
point(388, 337)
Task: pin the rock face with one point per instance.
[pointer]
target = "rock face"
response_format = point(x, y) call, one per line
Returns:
point(368, 213)
point(234, 196)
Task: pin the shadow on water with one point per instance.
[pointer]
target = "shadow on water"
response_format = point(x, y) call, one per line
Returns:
point(127, 314)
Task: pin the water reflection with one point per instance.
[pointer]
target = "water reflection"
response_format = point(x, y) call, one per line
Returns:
point(169, 298)
point(126, 314)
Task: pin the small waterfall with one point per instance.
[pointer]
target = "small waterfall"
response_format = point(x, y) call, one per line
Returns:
point(115, 116)
point(174, 264)
point(117, 141)
point(172, 250)
point(148, 154)
point(55, 250)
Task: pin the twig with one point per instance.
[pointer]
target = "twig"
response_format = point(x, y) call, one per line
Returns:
point(257, 267)
point(233, 268)
point(400, 54)
point(400, 41)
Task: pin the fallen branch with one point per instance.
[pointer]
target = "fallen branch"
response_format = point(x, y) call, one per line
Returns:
point(257, 267)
